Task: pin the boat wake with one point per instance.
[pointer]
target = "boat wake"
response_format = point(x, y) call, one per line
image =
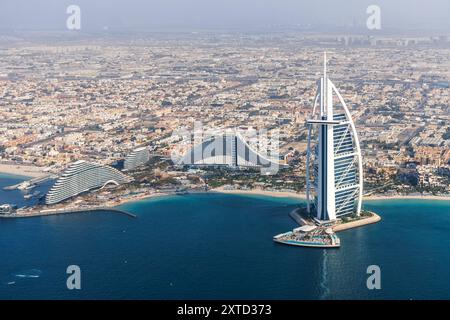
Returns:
point(323, 281)
point(31, 273)
point(23, 275)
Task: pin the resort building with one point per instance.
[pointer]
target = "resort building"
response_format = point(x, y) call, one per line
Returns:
point(228, 149)
point(336, 163)
point(136, 158)
point(83, 176)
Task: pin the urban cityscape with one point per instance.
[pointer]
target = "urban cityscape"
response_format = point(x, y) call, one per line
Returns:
point(179, 159)
point(98, 102)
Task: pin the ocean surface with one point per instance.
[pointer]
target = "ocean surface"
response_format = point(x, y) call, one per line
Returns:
point(217, 246)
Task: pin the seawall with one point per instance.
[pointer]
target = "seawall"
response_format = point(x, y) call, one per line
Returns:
point(358, 223)
point(67, 211)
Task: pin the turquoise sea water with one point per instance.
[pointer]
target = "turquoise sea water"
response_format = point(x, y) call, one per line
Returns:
point(209, 246)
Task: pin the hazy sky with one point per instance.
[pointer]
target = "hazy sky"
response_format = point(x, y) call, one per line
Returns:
point(176, 14)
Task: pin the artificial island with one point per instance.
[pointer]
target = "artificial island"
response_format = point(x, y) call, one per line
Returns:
point(337, 174)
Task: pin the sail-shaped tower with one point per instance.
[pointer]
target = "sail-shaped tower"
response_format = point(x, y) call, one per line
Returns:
point(335, 186)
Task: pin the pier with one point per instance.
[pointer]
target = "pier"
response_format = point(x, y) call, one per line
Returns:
point(296, 215)
point(30, 182)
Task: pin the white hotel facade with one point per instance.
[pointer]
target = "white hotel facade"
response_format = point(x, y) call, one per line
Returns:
point(136, 158)
point(335, 188)
point(82, 176)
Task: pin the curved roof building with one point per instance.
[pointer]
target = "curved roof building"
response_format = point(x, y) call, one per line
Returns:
point(337, 160)
point(136, 158)
point(227, 149)
point(82, 176)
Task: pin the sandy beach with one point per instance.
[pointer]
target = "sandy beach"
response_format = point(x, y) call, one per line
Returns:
point(400, 197)
point(281, 194)
point(136, 198)
point(216, 190)
point(278, 194)
point(302, 196)
point(22, 170)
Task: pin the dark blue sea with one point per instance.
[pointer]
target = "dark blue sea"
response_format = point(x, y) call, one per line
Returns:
point(215, 246)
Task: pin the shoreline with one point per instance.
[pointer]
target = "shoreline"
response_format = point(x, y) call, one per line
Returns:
point(302, 196)
point(275, 194)
point(22, 170)
point(31, 172)
point(142, 197)
point(407, 197)
point(255, 192)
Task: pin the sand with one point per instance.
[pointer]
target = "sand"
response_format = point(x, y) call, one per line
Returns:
point(418, 197)
point(22, 170)
point(282, 194)
point(302, 196)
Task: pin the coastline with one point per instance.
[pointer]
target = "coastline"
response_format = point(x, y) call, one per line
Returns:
point(276, 194)
point(30, 172)
point(142, 197)
point(259, 192)
point(22, 170)
point(302, 196)
point(406, 197)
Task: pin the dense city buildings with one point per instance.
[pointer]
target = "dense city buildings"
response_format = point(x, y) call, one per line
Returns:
point(97, 100)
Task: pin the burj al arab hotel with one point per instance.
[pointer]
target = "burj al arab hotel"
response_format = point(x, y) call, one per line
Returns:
point(335, 187)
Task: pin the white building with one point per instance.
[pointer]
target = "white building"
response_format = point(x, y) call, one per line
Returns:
point(82, 176)
point(136, 158)
point(337, 162)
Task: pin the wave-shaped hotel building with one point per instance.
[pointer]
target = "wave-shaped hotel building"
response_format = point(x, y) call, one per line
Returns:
point(136, 158)
point(82, 176)
point(335, 188)
point(229, 149)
